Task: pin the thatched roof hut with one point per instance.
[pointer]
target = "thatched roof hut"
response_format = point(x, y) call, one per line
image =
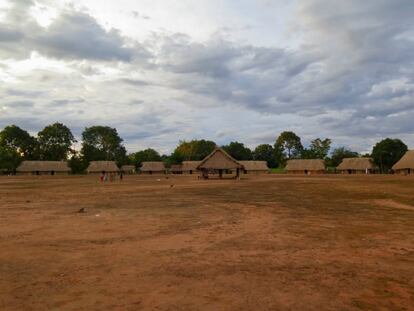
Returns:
point(102, 167)
point(406, 164)
point(175, 169)
point(357, 165)
point(43, 167)
point(152, 167)
point(255, 166)
point(128, 169)
point(190, 167)
point(305, 166)
point(219, 161)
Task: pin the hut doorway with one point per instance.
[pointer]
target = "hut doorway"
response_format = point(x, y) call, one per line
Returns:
point(52, 173)
point(349, 172)
point(306, 172)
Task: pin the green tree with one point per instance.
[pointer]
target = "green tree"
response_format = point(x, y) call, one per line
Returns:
point(55, 142)
point(321, 147)
point(143, 156)
point(194, 150)
point(102, 143)
point(78, 164)
point(266, 153)
point(387, 152)
point(318, 149)
point(289, 145)
point(238, 151)
point(20, 141)
point(339, 154)
point(9, 159)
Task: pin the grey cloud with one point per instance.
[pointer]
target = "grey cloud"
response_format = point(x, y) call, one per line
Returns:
point(64, 102)
point(76, 35)
point(134, 82)
point(24, 93)
point(352, 54)
point(73, 35)
point(20, 104)
point(181, 56)
point(8, 34)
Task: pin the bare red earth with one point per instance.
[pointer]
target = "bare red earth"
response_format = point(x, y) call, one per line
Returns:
point(262, 243)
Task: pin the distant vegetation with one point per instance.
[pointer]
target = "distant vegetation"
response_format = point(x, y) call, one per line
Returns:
point(55, 143)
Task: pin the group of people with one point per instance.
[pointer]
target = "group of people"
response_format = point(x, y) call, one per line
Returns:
point(104, 177)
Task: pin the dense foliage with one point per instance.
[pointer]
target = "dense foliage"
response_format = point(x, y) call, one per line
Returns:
point(266, 152)
point(55, 142)
point(102, 143)
point(387, 152)
point(194, 150)
point(238, 151)
point(288, 145)
point(318, 149)
point(339, 154)
point(143, 156)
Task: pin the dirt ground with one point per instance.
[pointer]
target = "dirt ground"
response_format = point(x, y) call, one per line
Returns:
point(273, 242)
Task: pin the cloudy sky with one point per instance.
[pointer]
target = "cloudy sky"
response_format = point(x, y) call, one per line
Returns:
point(163, 71)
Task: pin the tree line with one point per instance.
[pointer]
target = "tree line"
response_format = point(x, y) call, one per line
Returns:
point(55, 143)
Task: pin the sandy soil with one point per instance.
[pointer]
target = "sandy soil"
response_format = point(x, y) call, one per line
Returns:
point(262, 243)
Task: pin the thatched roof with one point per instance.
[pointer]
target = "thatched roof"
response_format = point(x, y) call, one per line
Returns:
point(175, 168)
point(219, 159)
point(359, 164)
point(190, 165)
point(43, 166)
point(128, 168)
point(255, 165)
point(152, 166)
point(305, 165)
point(102, 166)
point(406, 162)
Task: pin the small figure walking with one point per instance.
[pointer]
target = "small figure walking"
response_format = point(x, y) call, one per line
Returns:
point(121, 176)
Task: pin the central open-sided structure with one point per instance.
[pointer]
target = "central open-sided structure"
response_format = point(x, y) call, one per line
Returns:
point(218, 162)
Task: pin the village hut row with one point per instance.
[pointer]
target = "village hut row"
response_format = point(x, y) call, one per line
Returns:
point(219, 162)
point(317, 166)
